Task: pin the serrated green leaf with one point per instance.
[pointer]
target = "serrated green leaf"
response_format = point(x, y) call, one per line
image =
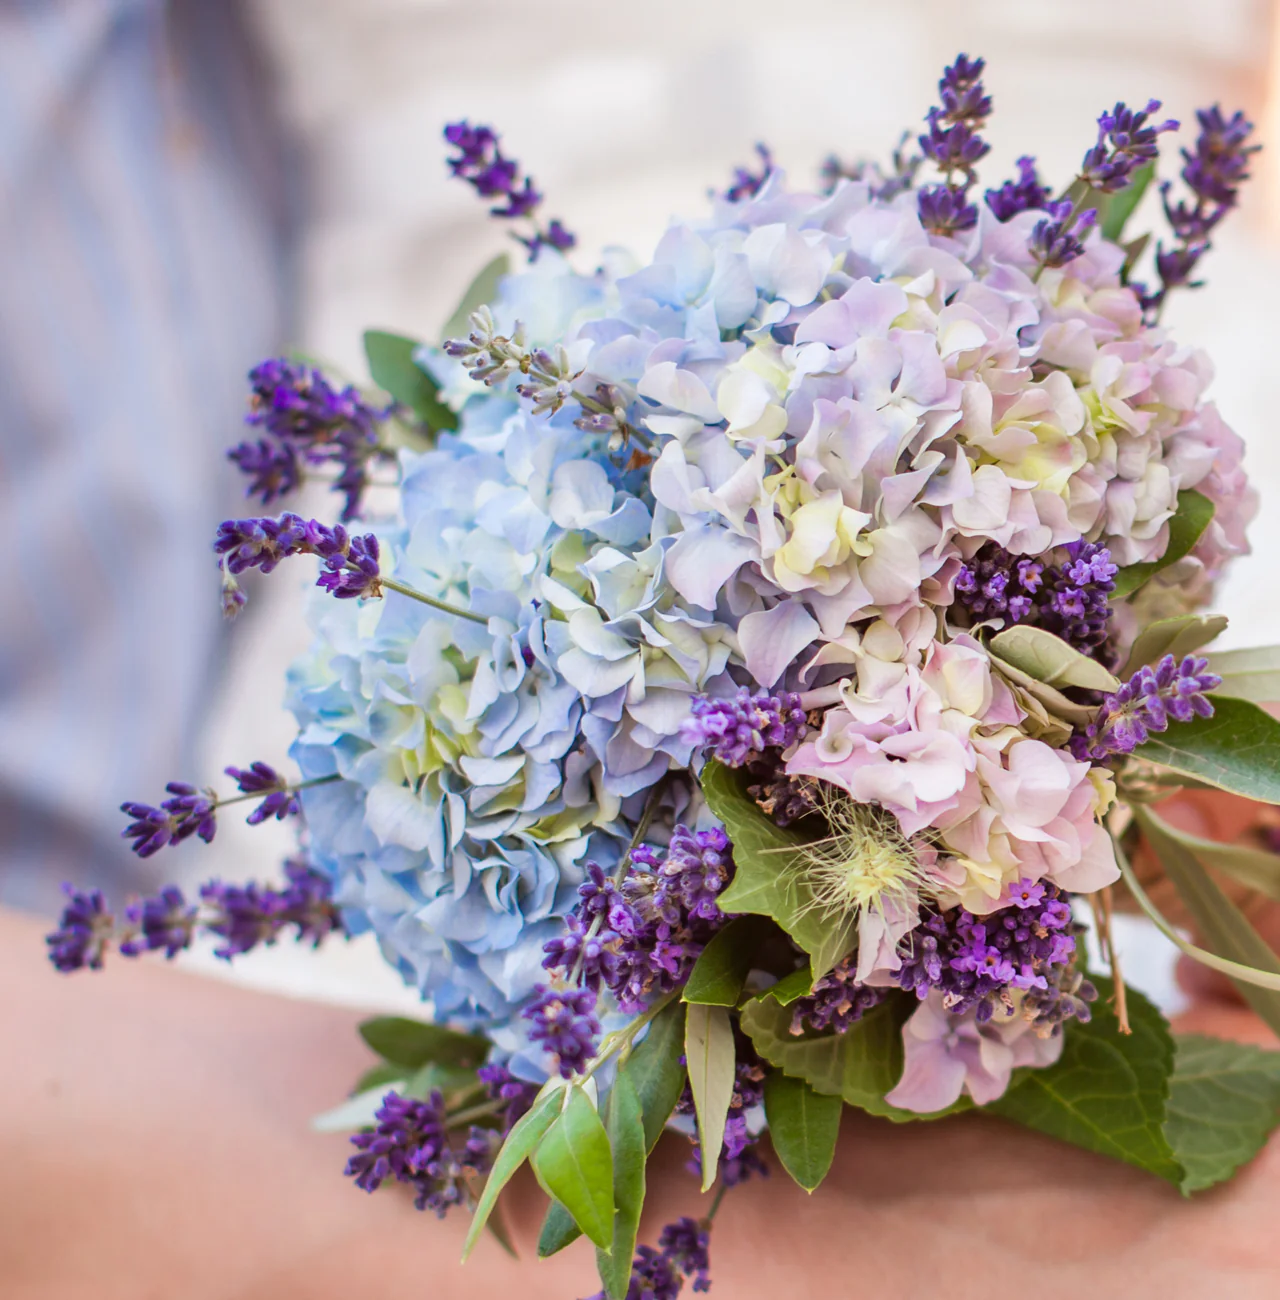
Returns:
point(1222, 924)
point(657, 1072)
point(574, 1165)
point(1049, 659)
point(1224, 1098)
point(720, 973)
point(382, 1075)
point(412, 1043)
point(1114, 210)
point(711, 1059)
point(861, 1065)
point(1173, 636)
point(766, 881)
point(791, 988)
point(479, 293)
point(558, 1231)
point(1193, 516)
point(1238, 749)
point(525, 1135)
point(393, 369)
point(1252, 674)
point(803, 1127)
point(1108, 1090)
point(625, 1126)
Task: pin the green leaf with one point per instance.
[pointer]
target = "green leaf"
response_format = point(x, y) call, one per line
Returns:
point(1047, 697)
point(1173, 636)
point(625, 1126)
point(711, 1060)
point(351, 1115)
point(860, 1065)
point(558, 1231)
point(790, 988)
point(657, 1072)
point(1224, 1098)
point(1259, 869)
point(1050, 660)
point(525, 1135)
point(1238, 749)
point(1220, 921)
point(383, 1075)
point(412, 1043)
point(766, 880)
point(1249, 674)
point(720, 973)
point(479, 293)
point(803, 1127)
point(393, 369)
point(438, 1077)
point(1108, 1090)
point(1114, 210)
point(1192, 517)
point(574, 1165)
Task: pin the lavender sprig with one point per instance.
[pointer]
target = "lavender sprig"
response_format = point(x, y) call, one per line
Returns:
point(739, 727)
point(244, 917)
point(482, 164)
point(563, 1021)
point(1127, 140)
point(953, 144)
point(1026, 194)
point(1147, 702)
point(746, 184)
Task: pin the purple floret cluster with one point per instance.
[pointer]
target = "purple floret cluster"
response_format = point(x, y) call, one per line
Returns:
point(1171, 691)
point(738, 727)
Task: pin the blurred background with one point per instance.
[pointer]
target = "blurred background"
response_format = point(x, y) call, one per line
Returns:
point(188, 187)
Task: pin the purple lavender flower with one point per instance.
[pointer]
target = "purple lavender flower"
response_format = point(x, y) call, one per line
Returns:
point(953, 145)
point(782, 797)
point(84, 931)
point(685, 1243)
point(411, 1144)
point(584, 950)
point(746, 183)
point(259, 778)
point(350, 563)
point(272, 468)
point(653, 1277)
point(836, 1002)
point(1070, 599)
point(481, 163)
point(945, 209)
point(737, 727)
point(1026, 194)
point(244, 916)
point(1146, 703)
point(975, 961)
point(1126, 141)
point(188, 812)
point(166, 922)
point(564, 1022)
point(502, 1085)
point(1059, 238)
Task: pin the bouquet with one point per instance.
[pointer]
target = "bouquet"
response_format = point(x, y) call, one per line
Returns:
point(774, 651)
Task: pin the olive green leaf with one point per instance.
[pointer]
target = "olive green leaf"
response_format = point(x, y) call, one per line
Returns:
point(574, 1164)
point(803, 1127)
point(1191, 518)
point(1049, 659)
point(1179, 636)
point(711, 1060)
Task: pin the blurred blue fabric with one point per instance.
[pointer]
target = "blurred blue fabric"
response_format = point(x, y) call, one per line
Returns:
point(144, 237)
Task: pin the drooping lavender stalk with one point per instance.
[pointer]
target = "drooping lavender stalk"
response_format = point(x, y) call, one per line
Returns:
point(242, 916)
point(1148, 701)
point(746, 184)
point(482, 164)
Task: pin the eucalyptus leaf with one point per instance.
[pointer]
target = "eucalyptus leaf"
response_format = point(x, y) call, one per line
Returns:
point(720, 973)
point(558, 1231)
point(574, 1165)
point(1224, 1098)
point(791, 988)
point(1049, 659)
point(352, 1115)
point(657, 1071)
point(711, 1060)
point(394, 370)
point(412, 1043)
point(1173, 636)
point(1047, 697)
point(767, 880)
point(803, 1127)
point(1238, 749)
point(1220, 921)
point(1108, 1092)
point(861, 1065)
point(479, 293)
point(625, 1126)
point(1252, 674)
point(1189, 521)
point(525, 1135)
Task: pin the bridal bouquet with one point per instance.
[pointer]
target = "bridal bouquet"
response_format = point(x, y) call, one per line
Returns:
point(776, 648)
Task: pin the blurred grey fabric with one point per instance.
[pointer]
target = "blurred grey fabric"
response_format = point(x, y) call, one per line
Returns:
point(144, 232)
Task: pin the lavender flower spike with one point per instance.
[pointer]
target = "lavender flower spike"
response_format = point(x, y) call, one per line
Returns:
point(738, 727)
point(1126, 141)
point(84, 931)
point(746, 183)
point(1026, 194)
point(281, 799)
point(564, 1022)
point(350, 563)
point(166, 921)
point(188, 812)
point(1146, 703)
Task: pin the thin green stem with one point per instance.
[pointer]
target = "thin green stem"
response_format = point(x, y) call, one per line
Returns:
point(422, 596)
point(621, 1038)
point(481, 1111)
point(715, 1205)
